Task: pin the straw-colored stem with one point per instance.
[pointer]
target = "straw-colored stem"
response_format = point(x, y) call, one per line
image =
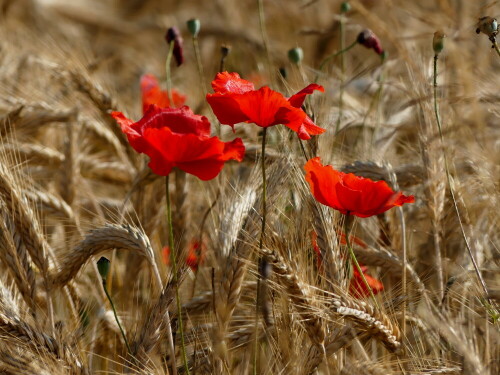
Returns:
point(452, 190)
point(355, 261)
point(495, 46)
point(174, 266)
point(405, 264)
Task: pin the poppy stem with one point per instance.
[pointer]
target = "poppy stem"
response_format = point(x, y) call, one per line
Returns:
point(355, 260)
point(261, 264)
point(199, 65)
point(169, 73)
point(333, 55)
point(174, 266)
point(116, 316)
point(342, 72)
point(265, 40)
point(452, 189)
point(495, 45)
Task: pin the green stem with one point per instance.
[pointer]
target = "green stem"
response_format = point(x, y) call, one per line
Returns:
point(169, 73)
point(261, 244)
point(174, 266)
point(355, 261)
point(450, 186)
point(116, 316)
point(333, 55)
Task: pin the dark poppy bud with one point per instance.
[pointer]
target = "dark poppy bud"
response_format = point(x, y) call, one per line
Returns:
point(103, 266)
point(438, 42)
point(368, 39)
point(345, 7)
point(224, 50)
point(193, 26)
point(173, 35)
point(295, 55)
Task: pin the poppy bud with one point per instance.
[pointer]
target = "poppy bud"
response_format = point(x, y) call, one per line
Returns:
point(193, 26)
point(103, 266)
point(345, 7)
point(173, 35)
point(224, 51)
point(488, 26)
point(438, 41)
point(295, 55)
point(368, 39)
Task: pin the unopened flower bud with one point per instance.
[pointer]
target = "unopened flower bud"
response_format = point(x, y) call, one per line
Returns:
point(295, 55)
point(193, 26)
point(368, 39)
point(173, 35)
point(438, 41)
point(103, 266)
point(488, 26)
point(345, 7)
point(224, 50)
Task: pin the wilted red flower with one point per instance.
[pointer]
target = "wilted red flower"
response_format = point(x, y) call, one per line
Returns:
point(368, 39)
point(152, 94)
point(174, 35)
point(350, 194)
point(176, 137)
point(236, 100)
point(357, 286)
point(194, 256)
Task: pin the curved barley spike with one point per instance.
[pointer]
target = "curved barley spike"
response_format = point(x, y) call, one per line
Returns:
point(367, 318)
point(98, 240)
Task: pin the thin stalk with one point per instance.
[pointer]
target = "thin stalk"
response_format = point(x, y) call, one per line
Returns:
point(265, 40)
point(355, 261)
point(169, 72)
point(333, 55)
point(405, 264)
point(116, 316)
point(342, 73)
point(174, 265)
point(452, 190)
point(495, 46)
point(199, 65)
point(261, 243)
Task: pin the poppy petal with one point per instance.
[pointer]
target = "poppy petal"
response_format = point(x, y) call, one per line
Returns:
point(298, 99)
point(225, 82)
point(226, 108)
point(322, 181)
point(152, 94)
point(179, 120)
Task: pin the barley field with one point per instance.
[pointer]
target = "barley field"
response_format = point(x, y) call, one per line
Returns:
point(139, 237)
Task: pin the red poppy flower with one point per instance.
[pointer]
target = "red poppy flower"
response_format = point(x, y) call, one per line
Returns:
point(152, 94)
point(350, 194)
point(357, 286)
point(194, 256)
point(236, 100)
point(176, 137)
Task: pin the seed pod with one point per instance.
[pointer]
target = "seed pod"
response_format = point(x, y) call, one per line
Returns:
point(488, 26)
point(193, 26)
point(295, 55)
point(345, 7)
point(438, 42)
point(173, 35)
